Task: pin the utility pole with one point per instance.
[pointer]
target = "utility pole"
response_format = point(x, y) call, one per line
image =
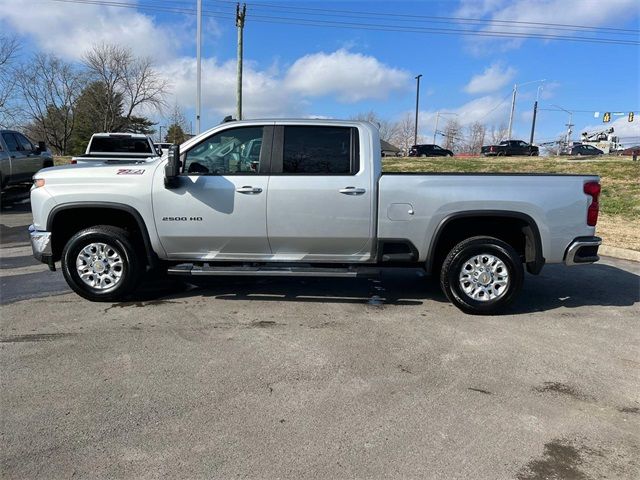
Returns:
point(240, 14)
point(438, 114)
point(198, 64)
point(513, 108)
point(568, 125)
point(533, 122)
point(415, 134)
point(535, 113)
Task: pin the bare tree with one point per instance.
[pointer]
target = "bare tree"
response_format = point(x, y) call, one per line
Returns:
point(50, 88)
point(387, 129)
point(130, 82)
point(404, 132)
point(453, 135)
point(8, 51)
point(475, 137)
point(498, 134)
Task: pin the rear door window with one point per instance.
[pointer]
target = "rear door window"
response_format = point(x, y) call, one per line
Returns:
point(320, 150)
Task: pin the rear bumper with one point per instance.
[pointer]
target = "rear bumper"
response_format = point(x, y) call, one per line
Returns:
point(582, 250)
point(41, 246)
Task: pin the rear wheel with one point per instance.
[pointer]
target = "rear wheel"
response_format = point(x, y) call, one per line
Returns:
point(482, 275)
point(101, 264)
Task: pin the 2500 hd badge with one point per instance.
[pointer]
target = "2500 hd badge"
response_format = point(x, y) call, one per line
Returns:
point(181, 219)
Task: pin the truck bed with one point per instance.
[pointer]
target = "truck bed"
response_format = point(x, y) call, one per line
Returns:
point(554, 201)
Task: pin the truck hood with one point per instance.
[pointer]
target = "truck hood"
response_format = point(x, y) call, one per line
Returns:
point(100, 173)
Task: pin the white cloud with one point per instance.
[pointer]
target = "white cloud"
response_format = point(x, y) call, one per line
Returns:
point(582, 12)
point(263, 92)
point(493, 78)
point(69, 29)
point(270, 92)
point(350, 76)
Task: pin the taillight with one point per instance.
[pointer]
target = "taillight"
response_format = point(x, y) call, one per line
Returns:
point(74, 162)
point(593, 190)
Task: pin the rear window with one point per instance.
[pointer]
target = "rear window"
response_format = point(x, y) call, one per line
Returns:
point(320, 150)
point(120, 145)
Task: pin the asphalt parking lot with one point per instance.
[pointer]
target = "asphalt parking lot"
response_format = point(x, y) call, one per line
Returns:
point(320, 378)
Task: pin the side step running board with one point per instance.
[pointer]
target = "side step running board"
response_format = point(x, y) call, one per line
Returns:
point(271, 271)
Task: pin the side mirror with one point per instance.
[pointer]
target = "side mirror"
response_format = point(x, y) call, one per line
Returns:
point(42, 147)
point(172, 169)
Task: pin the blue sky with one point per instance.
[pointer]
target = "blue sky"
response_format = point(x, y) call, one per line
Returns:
point(295, 70)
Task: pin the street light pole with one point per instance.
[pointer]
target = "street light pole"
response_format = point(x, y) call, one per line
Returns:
point(198, 66)
point(513, 108)
point(415, 135)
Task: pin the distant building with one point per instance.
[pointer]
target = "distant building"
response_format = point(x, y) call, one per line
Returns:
point(389, 150)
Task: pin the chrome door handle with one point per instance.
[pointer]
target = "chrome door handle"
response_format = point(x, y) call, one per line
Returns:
point(249, 189)
point(352, 191)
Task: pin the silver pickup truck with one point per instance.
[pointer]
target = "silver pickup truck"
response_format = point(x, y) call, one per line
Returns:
point(306, 198)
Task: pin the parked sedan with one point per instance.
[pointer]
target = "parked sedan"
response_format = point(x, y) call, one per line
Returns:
point(585, 150)
point(429, 150)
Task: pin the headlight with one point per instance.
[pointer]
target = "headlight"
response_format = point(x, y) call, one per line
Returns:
point(38, 182)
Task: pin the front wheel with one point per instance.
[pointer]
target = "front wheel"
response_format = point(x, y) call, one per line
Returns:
point(101, 264)
point(482, 275)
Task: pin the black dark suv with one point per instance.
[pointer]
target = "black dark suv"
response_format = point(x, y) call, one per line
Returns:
point(585, 150)
point(428, 150)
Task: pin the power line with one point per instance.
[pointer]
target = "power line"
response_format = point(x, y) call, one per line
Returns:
point(355, 25)
point(430, 18)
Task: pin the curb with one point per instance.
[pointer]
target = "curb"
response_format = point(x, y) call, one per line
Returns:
point(623, 253)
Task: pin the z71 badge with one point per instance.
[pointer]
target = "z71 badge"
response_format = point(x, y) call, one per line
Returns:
point(130, 171)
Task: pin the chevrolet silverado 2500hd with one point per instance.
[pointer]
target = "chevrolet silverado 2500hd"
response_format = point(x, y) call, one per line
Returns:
point(306, 198)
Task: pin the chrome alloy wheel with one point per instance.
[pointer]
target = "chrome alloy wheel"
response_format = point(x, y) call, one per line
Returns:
point(484, 277)
point(100, 266)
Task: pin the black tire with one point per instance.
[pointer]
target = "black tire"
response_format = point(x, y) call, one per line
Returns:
point(121, 243)
point(422, 155)
point(500, 154)
point(466, 250)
